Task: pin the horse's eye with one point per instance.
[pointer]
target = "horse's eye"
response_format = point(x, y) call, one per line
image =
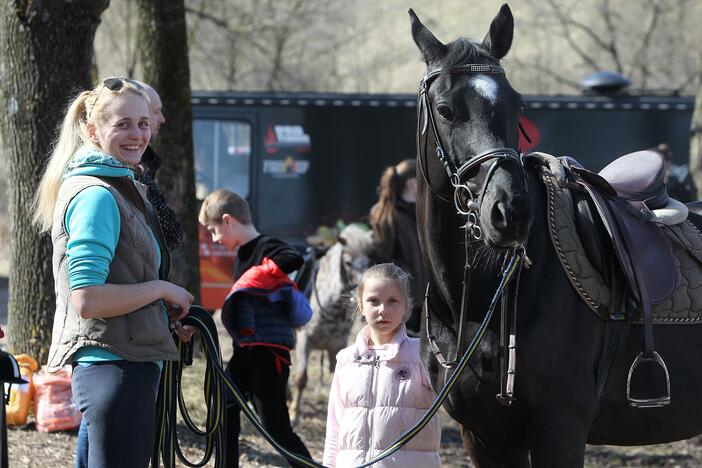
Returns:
point(445, 111)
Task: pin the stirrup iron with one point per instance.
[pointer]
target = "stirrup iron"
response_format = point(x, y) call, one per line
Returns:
point(648, 402)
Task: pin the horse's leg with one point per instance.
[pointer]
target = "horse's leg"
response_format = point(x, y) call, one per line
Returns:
point(557, 438)
point(469, 444)
point(484, 457)
point(300, 381)
point(332, 349)
point(332, 352)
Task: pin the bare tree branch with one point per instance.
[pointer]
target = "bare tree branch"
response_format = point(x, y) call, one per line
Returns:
point(566, 22)
point(553, 74)
point(640, 56)
point(611, 45)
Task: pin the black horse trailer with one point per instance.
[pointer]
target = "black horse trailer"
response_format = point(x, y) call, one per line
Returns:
point(306, 159)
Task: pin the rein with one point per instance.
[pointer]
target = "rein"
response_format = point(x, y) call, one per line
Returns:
point(216, 381)
point(468, 203)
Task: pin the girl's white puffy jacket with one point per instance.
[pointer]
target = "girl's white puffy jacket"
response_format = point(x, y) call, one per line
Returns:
point(376, 398)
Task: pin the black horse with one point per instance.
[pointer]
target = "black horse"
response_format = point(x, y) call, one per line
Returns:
point(558, 408)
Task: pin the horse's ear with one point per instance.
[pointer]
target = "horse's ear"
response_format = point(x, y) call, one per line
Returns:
point(431, 48)
point(499, 39)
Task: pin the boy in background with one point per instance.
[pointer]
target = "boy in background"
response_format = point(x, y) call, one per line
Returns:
point(259, 314)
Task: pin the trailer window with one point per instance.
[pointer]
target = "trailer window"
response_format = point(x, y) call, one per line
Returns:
point(222, 156)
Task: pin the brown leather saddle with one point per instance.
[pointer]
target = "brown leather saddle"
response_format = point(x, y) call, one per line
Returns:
point(629, 252)
point(625, 196)
point(621, 232)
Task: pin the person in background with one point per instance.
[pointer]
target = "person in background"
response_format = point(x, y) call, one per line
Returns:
point(394, 222)
point(145, 172)
point(113, 300)
point(678, 178)
point(380, 388)
point(258, 314)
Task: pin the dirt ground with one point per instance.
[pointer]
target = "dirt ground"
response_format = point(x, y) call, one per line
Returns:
point(30, 448)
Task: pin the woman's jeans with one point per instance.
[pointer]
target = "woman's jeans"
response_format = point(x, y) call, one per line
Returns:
point(118, 402)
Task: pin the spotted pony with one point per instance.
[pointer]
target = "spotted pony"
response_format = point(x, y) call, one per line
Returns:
point(337, 274)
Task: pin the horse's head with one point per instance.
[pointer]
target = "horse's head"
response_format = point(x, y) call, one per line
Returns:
point(473, 117)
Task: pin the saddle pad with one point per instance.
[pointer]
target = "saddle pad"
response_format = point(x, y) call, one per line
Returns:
point(683, 306)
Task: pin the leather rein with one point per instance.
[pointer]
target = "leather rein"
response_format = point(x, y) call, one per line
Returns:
point(468, 203)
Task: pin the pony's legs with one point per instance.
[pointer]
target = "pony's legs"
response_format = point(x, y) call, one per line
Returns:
point(302, 354)
point(332, 352)
point(484, 457)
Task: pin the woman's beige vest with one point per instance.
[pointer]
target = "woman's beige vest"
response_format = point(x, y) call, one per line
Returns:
point(140, 336)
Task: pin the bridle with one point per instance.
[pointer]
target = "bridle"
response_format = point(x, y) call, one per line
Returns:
point(468, 203)
point(465, 200)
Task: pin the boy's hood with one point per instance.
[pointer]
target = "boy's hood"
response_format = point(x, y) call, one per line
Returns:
point(89, 160)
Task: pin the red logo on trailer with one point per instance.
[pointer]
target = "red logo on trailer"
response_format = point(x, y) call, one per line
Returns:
point(534, 135)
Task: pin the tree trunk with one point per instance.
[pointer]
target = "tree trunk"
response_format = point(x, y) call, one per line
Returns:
point(696, 144)
point(46, 53)
point(164, 53)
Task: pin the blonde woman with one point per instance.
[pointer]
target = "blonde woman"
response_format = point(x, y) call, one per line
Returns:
point(110, 269)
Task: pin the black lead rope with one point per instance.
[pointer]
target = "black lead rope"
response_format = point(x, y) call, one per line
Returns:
point(170, 399)
point(167, 447)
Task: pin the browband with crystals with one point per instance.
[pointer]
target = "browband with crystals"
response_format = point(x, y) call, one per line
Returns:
point(469, 68)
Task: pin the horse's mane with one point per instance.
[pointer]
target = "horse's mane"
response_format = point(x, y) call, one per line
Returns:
point(465, 50)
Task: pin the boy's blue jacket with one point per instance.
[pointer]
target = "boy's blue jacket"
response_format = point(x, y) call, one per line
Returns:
point(263, 306)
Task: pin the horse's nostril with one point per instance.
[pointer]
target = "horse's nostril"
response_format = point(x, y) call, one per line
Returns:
point(498, 215)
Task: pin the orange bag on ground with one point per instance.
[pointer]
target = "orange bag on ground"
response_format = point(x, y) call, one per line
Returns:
point(21, 394)
point(54, 409)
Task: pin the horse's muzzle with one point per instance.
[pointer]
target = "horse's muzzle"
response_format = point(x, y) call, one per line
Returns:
point(509, 219)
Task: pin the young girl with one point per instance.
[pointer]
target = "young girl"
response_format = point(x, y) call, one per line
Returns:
point(380, 388)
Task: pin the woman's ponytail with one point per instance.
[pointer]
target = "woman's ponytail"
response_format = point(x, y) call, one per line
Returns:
point(71, 136)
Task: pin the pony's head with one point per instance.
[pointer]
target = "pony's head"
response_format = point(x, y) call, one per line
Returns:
point(357, 252)
point(474, 111)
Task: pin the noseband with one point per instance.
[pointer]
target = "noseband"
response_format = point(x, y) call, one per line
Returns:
point(466, 201)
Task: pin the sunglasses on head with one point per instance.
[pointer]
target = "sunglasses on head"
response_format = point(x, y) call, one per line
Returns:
point(115, 84)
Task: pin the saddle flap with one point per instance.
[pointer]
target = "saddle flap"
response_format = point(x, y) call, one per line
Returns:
point(654, 255)
point(632, 236)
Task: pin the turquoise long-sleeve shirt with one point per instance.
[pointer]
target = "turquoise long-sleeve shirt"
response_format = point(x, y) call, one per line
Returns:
point(93, 227)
